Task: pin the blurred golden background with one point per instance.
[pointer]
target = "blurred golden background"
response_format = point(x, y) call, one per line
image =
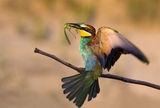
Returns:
point(29, 80)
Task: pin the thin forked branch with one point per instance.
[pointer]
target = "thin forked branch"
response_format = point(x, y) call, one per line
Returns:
point(110, 76)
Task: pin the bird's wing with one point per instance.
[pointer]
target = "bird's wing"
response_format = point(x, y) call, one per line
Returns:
point(108, 45)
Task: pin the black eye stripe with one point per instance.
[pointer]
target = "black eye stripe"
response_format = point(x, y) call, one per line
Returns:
point(88, 30)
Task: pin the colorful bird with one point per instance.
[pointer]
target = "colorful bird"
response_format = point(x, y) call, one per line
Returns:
point(99, 51)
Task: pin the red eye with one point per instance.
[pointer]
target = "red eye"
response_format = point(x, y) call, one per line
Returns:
point(86, 28)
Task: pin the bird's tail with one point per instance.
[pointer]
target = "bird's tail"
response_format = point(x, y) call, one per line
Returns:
point(79, 86)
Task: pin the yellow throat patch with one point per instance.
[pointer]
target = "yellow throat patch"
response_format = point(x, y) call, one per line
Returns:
point(84, 33)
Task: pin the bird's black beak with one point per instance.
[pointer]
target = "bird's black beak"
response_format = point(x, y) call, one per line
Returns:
point(74, 25)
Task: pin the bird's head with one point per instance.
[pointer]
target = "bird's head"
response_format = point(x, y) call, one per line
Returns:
point(84, 29)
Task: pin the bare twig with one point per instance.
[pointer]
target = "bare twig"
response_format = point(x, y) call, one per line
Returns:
point(133, 81)
point(110, 76)
point(59, 60)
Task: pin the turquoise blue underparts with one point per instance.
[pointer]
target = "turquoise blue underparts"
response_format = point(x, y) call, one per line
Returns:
point(88, 57)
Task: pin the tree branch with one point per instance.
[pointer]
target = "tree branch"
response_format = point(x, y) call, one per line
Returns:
point(110, 76)
point(59, 60)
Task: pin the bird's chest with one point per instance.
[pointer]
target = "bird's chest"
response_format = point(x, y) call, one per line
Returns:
point(89, 58)
point(87, 54)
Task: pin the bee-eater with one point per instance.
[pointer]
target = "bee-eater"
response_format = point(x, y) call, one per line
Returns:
point(99, 51)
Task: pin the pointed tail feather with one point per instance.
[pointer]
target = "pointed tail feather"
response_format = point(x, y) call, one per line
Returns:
point(79, 86)
point(94, 90)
